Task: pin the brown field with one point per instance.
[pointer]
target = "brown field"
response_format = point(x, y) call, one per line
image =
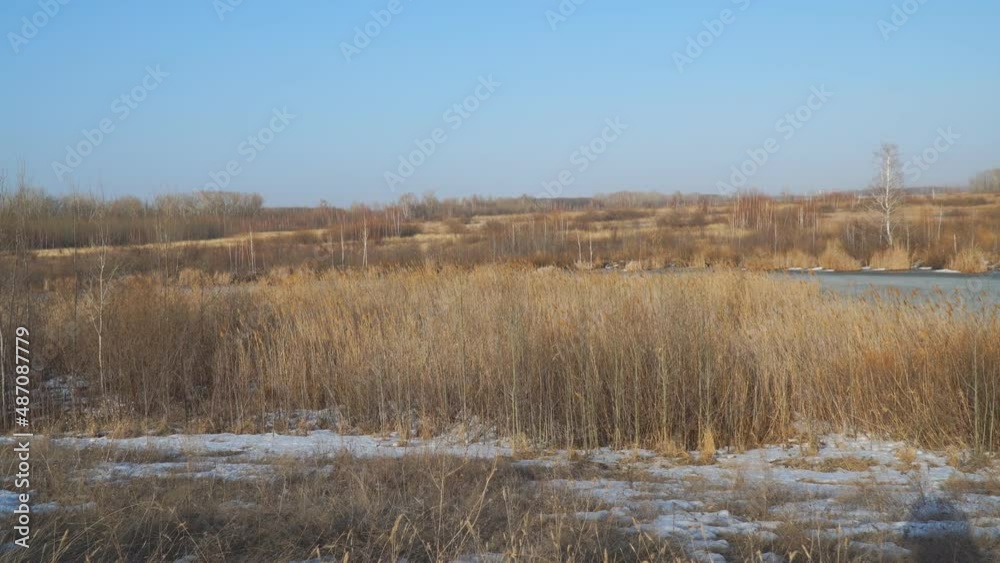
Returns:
point(428, 313)
point(956, 230)
point(611, 323)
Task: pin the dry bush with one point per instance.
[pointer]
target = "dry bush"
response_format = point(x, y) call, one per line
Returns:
point(968, 461)
point(781, 261)
point(193, 278)
point(988, 485)
point(969, 261)
point(573, 359)
point(761, 263)
point(634, 266)
point(697, 260)
point(907, 457)
point(895, 258)
point(456, 226)
point(836, 258)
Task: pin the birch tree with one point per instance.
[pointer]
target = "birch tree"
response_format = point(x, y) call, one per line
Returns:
point(886, 194)
point(99, 296)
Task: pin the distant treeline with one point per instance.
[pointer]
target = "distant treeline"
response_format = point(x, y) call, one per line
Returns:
point(33, 219)
point(988, 181)
point(745, 229)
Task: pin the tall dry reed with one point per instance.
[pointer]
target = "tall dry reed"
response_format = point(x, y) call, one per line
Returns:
point(557, 357)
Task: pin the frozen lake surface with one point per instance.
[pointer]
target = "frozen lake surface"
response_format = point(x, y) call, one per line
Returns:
point(926, 283)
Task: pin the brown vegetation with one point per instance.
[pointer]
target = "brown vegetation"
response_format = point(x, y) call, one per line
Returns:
point(236, 234)
point(895, 258)
point(494, 315)
point(968, 260)
point(574, 359)
point(416, 508)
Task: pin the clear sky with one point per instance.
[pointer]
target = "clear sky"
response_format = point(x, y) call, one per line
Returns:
point(201, 79)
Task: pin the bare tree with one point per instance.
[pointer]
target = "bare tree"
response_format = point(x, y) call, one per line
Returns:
point(886, 194)
point(364, 237)
point(3, 189)
point(99, 293)
point(988, 181)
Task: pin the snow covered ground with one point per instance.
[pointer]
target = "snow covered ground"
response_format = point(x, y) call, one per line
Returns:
point(873, 495)
point(851, 489)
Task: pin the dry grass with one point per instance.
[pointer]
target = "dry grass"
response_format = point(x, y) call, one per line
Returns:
point(892, 259)
point(968, 260)
point(869, 494)
point(634, 266)
point(836, 258)
point(702, 360)
point(756, 500)
point(907, 457)
point(421, 508)
point(830, 464)
point(751, 230)
point(988, 485)
point(969, 461)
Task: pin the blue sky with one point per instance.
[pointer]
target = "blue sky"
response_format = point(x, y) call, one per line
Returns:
point(221, 80)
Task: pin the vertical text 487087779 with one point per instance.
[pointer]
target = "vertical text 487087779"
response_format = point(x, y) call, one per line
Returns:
point(22, 439)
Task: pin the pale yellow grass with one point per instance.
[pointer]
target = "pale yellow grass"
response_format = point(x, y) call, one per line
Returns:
point(568, 358)
point(234, 240)
point(891, 259)
point(969, 260)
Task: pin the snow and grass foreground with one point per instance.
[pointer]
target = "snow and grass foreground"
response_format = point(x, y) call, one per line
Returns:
point(841, 498)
